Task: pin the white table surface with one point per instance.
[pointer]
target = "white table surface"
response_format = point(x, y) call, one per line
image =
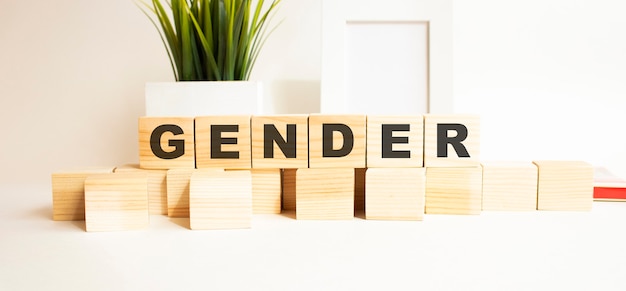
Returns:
point(492, 251)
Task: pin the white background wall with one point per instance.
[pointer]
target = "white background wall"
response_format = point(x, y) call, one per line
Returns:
point(547, 77)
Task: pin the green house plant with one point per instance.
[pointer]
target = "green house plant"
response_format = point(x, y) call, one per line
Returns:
point(209, 40)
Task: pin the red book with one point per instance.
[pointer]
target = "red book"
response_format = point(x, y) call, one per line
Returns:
point(608, 187)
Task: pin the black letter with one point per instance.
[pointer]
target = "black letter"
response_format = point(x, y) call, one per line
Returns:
point(327, 140)
point(178, 144)
point(443, 140)
point(271, 135)
point(388, 140)
point(217, 141)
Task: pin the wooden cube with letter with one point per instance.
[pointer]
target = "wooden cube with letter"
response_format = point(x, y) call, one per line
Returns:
point(395, 141)
point(157, 186)
point(116, 201)
point(337, 141)
point(395, 193)
point(223, 142)
point(325, 193)
point(280, 141)
point(509, 186)
point(68, 193)
point(166, 143)
point(220, 199)
point(451, 140)
point(453, 190)
point(564, 185)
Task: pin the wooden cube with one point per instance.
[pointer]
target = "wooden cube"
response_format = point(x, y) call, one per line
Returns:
point(116, 201)
point(266, 190)
point(453, 190)
point(326, 194)
point(289, 189)
point(280, 141)
point(157, 186)
point(178, 192)
point(223, 142)
point(451, 140)
point(220, 200)
point(509, 186)
point(564, 185)
point(166, 143)
point(337, 141)
point(359, 190)
point(395, 193)
point(68, 193)
point(395, 141)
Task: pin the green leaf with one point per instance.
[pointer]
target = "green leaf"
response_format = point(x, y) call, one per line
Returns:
point(211, 39)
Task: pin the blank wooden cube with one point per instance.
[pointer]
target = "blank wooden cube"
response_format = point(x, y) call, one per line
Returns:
point(337, 141)
point(116, 201)
point(166, 143)
point(395, 193)
point(359, 189)
point(509, 186)
point(395, 141)
point(326, 194)
point(157, 186)
point(280, 141)
point(451, 140)
point(220, 200)
point(289, 189)
point(223, 142)
point(564, 185)
point(178, 192)
point(266, 190)
point(68, 193)
point(453, 190)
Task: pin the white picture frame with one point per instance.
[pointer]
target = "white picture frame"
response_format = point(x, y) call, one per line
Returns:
point(336, 14)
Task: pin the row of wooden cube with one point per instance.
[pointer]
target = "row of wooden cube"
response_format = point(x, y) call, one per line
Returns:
point(168, 191)
point(335, 193)
point(407, 193)
point(240, 142)
point(123, 200)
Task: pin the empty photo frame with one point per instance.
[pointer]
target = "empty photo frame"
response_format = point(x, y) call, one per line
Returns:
point(394, 58)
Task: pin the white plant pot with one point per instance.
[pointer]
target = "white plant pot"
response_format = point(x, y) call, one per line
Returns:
point(193, 98)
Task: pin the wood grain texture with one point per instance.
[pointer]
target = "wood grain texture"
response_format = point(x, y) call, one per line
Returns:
point(279, 160)
point(157, 186)
point(220, 200)
point(564, 185)
point(414, 145)
point(326, 194)
point(147, 159)
point(289, 189)
point(116, 201)
point(395, 193)
point(242, 147)
point(471, 143)
point(178, 192)
point(68, 193)
point(359, 189)
point(266, 190)
point(509, 186)
point(355, 159)
point(453, 190)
